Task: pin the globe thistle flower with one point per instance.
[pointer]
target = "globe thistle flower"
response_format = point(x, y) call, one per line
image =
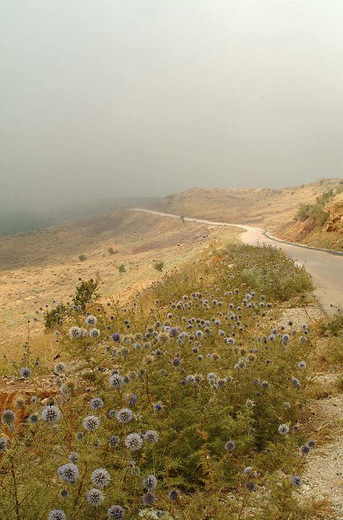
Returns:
point(114, 441)
point(302, 365)
point(97, 403)
point(100, 477)
point(91, 321)
point(60, 368)
point(230, 446)
point(173, 495)
point(150, 482)
point(95, 497)
point(73, 456)
point(51, 414)
point(148, 499)
point(296, 382)
point(124, 416)
point(176, 362)
point(247, 470)
point(25, 372)
point(8, 417)
point(116, 512)
point(190, 379)
point(296, 480)
point(305, 449)
point(64, 493)
point(57, 514)
point(133, 441)
point(4, 442)
point(283, 429)
point(33, 418)
point(75, 333)
point(116, 336)
point(116, 381)
point(265, 384)
point(151, 436)
point(91, 423)
point(158, 407)
point(250, 486)
point(68, 472)
point(131, 398)
point(311, 443)
point(94, 333)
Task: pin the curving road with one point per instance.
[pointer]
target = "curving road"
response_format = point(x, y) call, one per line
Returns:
point(325, 267)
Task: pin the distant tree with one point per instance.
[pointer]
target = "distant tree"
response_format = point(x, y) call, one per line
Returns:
point(82, 258)
point(112, 251)
point(122, 268)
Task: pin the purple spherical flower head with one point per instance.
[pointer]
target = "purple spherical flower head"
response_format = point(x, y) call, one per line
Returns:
point(116, 336)
point(173, 495)
point(95, 497)
point(8, 417)
point(116, 512)
point(296, 481)
point(148, 498)
point(230, 446)
point(57, 514)
point(151, 436)
point(25, 372)
point(68, 472)
point(100, 477)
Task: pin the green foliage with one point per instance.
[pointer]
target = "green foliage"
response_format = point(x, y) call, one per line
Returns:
point(333, 326)
point(236, 390)
point(85, 293)
point(82, 258)
point(55, 316)
point(112, 251)
point(122, 268)
point(316, 211)
point(159, 266)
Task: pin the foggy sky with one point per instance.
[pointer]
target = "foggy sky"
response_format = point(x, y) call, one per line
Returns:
point(149, 97)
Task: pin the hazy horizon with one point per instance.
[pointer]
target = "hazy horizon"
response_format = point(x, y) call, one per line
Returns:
point(146, 98)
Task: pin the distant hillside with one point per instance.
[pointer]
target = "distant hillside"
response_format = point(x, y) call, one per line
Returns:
point(265, 207)
point(30, 220)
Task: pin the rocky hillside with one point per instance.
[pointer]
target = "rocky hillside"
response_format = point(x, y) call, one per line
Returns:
point(319, 224)
point(274, 209)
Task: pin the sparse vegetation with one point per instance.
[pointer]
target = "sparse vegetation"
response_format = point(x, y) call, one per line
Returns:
point(82, 258)
point(112, 251)
point(122, 268)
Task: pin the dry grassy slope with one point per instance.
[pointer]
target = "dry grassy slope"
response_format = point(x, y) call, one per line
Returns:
point(258, 206)
point(328, 235)
point(44, 265)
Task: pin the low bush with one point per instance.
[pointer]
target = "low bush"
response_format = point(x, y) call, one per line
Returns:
point(183, 403)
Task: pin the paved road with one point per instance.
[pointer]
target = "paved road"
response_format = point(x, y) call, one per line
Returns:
point(326, 268)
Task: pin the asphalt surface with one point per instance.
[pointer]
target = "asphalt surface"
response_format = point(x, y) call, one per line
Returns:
point(325, 267)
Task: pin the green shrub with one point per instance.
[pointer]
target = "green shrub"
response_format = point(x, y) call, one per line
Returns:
point(159, 266)
point(82, 258)
point(122, 268)
point(85, 293)
point(112, 251)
